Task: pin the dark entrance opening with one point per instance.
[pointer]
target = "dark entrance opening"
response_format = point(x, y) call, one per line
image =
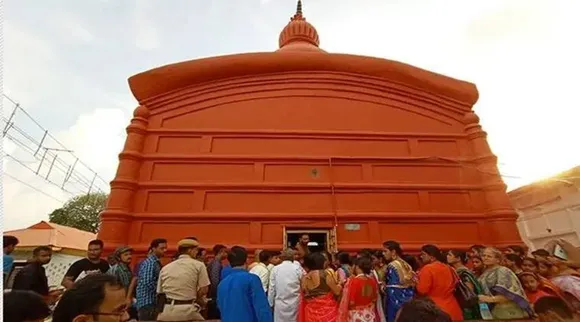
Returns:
point(318, 239)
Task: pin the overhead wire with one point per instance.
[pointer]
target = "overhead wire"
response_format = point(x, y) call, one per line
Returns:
point(34, 172)
point(32, 187)
point(74, 181)
point(30, 151)
point(48, 153)
point(20, 108)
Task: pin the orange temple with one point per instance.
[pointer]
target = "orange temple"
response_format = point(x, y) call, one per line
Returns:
point(255, 149)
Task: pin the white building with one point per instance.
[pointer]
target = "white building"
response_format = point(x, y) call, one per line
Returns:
point(549, 209)
point(68, 245)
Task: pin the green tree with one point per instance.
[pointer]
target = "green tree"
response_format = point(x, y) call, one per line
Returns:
point(81, 212)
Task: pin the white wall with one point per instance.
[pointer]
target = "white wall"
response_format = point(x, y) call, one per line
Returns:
point(57, 267)
point(559, 218)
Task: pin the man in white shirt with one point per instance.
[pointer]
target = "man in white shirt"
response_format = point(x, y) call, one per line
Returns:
point(284, 288)
point(261, 269)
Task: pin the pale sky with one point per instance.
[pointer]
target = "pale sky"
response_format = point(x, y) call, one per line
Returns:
point(67, 63)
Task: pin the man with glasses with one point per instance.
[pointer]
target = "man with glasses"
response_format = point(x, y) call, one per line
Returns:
point(98, 297)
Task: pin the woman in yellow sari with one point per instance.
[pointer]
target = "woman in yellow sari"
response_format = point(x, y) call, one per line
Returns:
point(328, 266)
point(379, 266)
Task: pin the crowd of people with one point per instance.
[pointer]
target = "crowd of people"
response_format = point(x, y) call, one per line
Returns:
point(298, 285)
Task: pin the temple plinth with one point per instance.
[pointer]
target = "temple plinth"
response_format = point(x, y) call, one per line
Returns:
point(252, 149)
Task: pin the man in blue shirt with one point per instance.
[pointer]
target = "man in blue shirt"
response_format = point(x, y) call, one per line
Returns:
point(241, 297)
point(148, 275)
point(9, 243)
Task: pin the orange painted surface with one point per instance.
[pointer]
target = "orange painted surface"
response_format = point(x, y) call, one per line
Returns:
point(232, 149)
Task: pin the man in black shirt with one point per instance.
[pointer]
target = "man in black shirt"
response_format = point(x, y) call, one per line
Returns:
point(93, 264)
point(32, 277)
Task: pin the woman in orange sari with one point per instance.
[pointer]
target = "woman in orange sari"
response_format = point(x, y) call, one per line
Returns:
point(437, 281)
point(319, 291)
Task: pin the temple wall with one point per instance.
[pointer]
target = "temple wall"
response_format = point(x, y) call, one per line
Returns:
point(235, 161)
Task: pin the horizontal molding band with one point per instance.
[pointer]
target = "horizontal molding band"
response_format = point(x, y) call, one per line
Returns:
point(274, 187)
point(303, 134)
point(345, 217)
point(418, 160)
point(310, 81)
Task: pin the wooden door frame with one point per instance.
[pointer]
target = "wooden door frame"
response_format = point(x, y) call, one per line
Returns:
point(330, 233)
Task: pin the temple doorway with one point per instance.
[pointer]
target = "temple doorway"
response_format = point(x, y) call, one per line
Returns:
point(319, 238)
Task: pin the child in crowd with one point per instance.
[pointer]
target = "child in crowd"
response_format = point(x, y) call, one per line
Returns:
point(531, 284)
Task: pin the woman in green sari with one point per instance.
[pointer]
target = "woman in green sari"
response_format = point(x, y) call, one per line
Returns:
point(457, 259)
point(502, 289)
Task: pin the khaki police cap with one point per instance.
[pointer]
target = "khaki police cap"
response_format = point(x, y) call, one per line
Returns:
point(188, 243)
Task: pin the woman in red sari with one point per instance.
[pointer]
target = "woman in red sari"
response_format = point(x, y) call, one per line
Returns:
point(319, 291)
point(437, 281)
point(360, 298)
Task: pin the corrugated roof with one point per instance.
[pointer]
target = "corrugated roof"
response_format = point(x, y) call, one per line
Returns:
point(51, 234)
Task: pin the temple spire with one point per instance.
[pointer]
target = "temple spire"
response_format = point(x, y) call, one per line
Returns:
point(298, 15)
point(299, 35)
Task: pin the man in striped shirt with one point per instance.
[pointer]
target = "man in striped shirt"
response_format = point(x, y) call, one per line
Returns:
point(123, 273)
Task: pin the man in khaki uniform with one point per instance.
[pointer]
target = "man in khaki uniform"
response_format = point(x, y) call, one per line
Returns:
point(183, 285)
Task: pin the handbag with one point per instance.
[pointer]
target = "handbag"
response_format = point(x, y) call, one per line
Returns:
point(464, 295)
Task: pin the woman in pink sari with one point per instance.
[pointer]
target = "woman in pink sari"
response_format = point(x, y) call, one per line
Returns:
point(361, 300)
point(568, 280)
point(319, 291)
